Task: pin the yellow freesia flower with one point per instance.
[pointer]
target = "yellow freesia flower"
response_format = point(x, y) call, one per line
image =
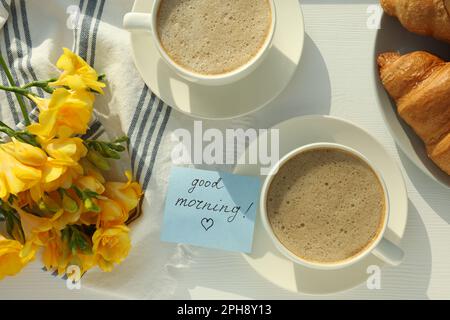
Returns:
point(65, 114)
point(46, 232)
point(111, 245)
point(127, 194)
point(111, 213)
point(24, 199)
point(33, 226)
point(14, 256)
point(65, 151)
point(62, 167)
point(90, 183)
point(77, 75)
point(25, 153)
point(51, 182)
point(66, 218)
point(65, 215)
point(56, 253)
point(89, 218)
point(91, 170)
point(55, 176)
point(15, 175)
point(83, 261)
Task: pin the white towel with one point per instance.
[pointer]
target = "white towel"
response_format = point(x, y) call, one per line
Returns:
point(31, 39)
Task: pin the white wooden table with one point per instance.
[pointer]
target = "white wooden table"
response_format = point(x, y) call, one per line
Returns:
point(335, 78)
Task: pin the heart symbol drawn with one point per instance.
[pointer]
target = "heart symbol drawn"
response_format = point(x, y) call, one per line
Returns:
point(207, 223)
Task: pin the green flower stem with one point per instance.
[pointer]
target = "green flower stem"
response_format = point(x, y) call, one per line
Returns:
point(23, 108)
point(41, 84)
point(22, 136)
point(16, 90)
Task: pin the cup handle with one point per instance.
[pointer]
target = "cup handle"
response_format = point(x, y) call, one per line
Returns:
point(388, 252)
point(137, 21)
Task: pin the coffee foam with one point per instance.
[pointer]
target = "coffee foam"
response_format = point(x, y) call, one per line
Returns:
point(326, 205)
point(213, 36)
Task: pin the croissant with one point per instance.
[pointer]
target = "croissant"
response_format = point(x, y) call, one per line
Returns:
point(419, 82)
point(424, 17)
point(440, 153)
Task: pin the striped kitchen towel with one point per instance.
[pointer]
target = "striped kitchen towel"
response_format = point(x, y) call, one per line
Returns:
point(31, 39)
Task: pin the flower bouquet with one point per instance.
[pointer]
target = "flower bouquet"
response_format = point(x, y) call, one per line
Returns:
point(54, 197)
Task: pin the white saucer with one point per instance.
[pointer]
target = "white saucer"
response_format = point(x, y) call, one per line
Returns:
point(233, 100)
point(265, 258)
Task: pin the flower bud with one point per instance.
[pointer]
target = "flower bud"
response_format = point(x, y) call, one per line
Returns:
point(69, 204)
point(98, 160)
point(47, 204)
point(90, 205)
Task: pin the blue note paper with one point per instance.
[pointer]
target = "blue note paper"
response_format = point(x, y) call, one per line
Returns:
point(211, 209)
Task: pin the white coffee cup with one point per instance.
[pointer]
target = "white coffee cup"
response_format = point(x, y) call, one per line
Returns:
point(380, 247)
point(148, 22)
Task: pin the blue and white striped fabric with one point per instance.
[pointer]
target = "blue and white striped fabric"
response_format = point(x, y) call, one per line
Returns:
point(31, 39)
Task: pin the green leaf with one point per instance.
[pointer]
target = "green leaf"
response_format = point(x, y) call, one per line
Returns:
point(11, 198)
point(90, 194)
point(13, 225)
point(77, 191)
point(66, 234)
point(78, 240)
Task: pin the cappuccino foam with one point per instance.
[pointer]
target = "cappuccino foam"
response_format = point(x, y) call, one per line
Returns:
point(213, 36)
point(326, 205)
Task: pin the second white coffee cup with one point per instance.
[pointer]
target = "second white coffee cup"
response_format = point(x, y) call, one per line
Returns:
point(380, 247)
